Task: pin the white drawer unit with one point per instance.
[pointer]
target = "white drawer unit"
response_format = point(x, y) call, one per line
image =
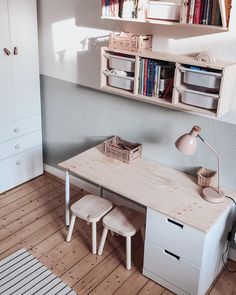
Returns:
point(19, 128)
point(121, 63)
point(172, 268)
point(20, 168)
point(20, 144)
point(175, 236)
point(182, 258)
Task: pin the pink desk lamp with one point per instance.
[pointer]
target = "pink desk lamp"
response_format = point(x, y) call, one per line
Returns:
point(187, 144)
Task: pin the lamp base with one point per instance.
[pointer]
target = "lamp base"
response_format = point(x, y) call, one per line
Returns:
point(211, 194)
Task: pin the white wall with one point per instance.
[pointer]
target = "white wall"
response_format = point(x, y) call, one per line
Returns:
point(72, 33)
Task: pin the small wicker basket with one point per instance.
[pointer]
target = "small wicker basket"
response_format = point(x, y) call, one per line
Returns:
point(122, 150)
point(206, 177)
point(130, 42)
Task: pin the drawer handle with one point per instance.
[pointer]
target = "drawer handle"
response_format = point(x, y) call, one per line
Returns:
point(175, 223)
point(17, 146)
point(172, 254)
point(16, 130)
point(18, 162)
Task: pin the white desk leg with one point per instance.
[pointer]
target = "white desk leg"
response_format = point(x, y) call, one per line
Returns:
point(67, 198)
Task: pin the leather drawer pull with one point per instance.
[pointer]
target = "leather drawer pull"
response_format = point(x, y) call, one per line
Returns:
point(172, 254)
point(16, 51)
point(7, 51)
point(175, 223)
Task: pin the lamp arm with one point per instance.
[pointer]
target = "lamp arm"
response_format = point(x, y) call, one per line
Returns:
point(218, 158)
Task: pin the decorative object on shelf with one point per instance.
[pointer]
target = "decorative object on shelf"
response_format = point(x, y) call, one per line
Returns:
point(206, 57)
point(130, 42)
point(187, 144)
point(206, 177)
point(120, 149)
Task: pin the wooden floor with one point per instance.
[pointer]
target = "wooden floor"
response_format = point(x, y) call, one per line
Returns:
point(32, 216)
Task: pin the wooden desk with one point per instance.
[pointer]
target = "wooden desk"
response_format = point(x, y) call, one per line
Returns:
point(179, 221)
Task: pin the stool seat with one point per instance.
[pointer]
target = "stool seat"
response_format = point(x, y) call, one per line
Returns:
point(91, 208)
point(124, 221)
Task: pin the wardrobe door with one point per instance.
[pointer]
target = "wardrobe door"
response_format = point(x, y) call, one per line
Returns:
point(6, 108)
point(25, 67)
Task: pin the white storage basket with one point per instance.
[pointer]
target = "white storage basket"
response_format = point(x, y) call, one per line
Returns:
point(166, 10)
point(200, 78)
point(121, 63)
point(200, 99)
point(126, 83)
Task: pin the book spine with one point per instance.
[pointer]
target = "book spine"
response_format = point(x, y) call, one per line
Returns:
point(150, 89)
point(153, 77)
point(223, 12)
point(145, 76)
point(107, 7)
point(103, 8)
point(228, 6)
point(120, 8)
point(209, 15)
point(140, 76)
point(197, 12)
point(214, 9)
point(204, 12)
point(112, 8)
point(183, 11)
point(148, 77)
point(191, 11)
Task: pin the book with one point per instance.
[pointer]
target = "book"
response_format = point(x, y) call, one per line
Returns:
point(183, 11)
point(209, 12)
point(197, 12)
point(204, 12)
point(114, 8)
point(107, 7)
point(191, 11)
point(223, 12)
point(145, 76)
point(157, 80)
point(140, 78)
point(214, 11)
point(228, 6)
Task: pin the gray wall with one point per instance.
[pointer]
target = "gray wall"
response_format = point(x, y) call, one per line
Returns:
point(76, 118)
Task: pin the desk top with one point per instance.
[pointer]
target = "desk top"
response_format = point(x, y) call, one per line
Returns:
point(159, 187)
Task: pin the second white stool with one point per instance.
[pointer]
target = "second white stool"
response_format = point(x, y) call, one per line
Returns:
point(90, 208)
point(125, 222)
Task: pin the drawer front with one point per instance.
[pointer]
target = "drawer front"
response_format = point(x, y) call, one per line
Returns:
point(20, 168)
point(185, 241)
point(168, 266)
point(20, 144)
point(20, 128)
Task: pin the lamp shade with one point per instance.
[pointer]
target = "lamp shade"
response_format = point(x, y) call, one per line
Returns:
point(187, 143)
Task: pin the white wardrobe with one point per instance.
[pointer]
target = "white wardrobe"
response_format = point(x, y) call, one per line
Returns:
point(20, 110)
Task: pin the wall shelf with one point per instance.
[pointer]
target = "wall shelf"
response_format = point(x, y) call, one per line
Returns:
point(225, 72)
point(206, 28)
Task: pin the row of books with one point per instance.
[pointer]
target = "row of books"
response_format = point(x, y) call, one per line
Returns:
point(120, 8)
point(155, 78)
point(206, 12)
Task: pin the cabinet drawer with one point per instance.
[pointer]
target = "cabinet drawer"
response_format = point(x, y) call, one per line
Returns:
point(172, 268)
point(20, 168)
point(19, 128)
point(20, 144)
point(185, 241)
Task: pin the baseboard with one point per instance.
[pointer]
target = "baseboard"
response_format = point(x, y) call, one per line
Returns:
point(232, 254)
point(94, 189)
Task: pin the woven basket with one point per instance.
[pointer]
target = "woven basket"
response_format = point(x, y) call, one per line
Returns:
point(206, 177)
point(130, 42)
point(122, 150)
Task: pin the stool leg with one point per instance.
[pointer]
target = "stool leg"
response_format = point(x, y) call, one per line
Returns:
point(72, 223)
point(102, 242)
point(128, 253)
point(94, 237)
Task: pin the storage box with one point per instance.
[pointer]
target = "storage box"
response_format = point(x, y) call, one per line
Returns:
point(164, 10)
point(202, 78)
point(121, 63)
point(126, 83)
point(130, 42)
point(206, 177)
point(122, 150)
point(200, 99)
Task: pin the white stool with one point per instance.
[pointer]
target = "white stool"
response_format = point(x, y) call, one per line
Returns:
point(90, 208)
point(125, 222)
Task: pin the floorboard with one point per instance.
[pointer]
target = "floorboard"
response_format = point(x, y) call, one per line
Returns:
point(32, 216)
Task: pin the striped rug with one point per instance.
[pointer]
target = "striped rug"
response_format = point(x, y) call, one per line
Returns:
point(21, 273)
